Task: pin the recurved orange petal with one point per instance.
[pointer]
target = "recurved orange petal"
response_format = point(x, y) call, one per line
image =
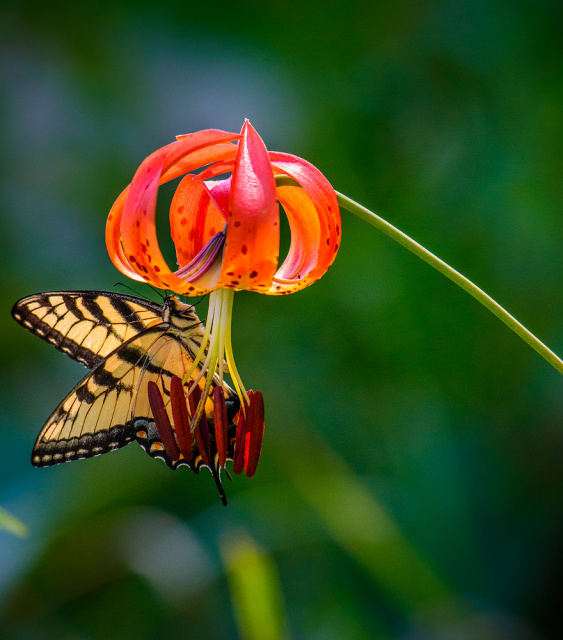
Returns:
point(314, 219)
point(252, 247)
point(194, 219)
point(130, 232)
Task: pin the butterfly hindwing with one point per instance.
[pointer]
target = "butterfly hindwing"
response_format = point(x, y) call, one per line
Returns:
point(166, 358)
point(97, 416)
point(86, 325)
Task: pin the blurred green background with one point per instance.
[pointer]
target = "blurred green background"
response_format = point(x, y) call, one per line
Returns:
point(410, 485)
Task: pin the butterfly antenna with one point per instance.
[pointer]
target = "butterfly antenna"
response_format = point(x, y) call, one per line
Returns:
point(200, 300)
point(126, 286)
point(158, 293)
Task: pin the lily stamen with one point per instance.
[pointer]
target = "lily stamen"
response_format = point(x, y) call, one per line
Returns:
point(162, 421)
point(221, 424)
point(181, 418)
point(219, 348)
point(250, 432)
point(200, 426)
point(254, 433)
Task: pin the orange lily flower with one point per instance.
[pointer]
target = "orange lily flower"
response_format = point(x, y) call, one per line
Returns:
point(226, 236)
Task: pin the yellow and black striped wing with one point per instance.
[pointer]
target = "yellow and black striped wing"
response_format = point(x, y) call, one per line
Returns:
point(127, 342)
point(86, 325)
point(107, 409)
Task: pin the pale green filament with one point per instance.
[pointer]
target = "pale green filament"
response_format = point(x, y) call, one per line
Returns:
point(217, 340)
point(241, 391)
point(201, 351)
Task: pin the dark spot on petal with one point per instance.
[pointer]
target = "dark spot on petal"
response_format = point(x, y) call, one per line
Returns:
point(243, 249)
point(237, 224)
point(336, 247)
point(328, 240)
point(230, 273)
point(253, 274)
point(156, 268)
point(180, 209)
point(132, 258)
point(234, 281)
point(183, 222)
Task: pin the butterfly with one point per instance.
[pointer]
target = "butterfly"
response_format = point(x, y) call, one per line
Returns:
point(127, 343)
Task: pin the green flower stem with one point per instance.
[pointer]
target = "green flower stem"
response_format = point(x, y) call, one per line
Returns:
point(452, 274)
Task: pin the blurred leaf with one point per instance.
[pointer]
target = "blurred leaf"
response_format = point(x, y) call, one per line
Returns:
point(11, 523)
point(255, 589)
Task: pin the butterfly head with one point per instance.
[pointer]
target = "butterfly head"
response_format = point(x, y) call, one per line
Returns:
point(173, 307)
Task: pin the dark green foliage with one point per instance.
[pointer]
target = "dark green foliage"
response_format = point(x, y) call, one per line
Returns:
point(410, 484)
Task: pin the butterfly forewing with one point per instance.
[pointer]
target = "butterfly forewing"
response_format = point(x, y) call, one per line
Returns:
point(86, 325)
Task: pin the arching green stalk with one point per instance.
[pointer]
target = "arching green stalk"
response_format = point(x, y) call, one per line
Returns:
point(453, 275)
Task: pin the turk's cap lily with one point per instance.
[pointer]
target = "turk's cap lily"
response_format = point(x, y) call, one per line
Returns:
point(226, 231)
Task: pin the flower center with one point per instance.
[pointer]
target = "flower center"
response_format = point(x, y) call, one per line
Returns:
point(205, 268)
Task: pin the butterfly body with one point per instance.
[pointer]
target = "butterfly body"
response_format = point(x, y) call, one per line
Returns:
point(126, 342)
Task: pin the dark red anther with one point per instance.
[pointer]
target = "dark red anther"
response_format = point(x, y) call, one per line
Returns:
point(191, 403)
point(181, 417)
point(220, 421)
point(162, 421)
point(254, 432)
point(240, 446)
point(202, 429)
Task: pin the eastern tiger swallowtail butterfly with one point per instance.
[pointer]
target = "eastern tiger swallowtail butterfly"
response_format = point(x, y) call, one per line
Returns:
point(127, 343)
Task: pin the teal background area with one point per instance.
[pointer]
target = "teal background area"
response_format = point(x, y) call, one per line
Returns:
point(410, 485)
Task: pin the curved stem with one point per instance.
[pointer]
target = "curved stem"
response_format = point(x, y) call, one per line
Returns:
point(453, 275)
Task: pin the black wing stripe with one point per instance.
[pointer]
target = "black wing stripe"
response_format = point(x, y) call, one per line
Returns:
point(92, 306)
point(72, 306)
point(133, 354)
point(128, 314)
